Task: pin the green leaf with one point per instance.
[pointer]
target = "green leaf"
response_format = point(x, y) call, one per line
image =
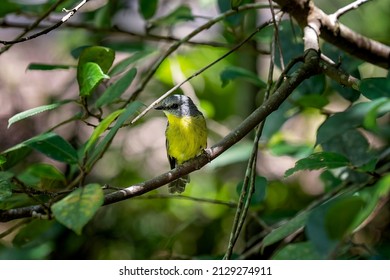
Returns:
point(48, 67)
point(339, 219)
point(286, 229)
point(374, 88)
point(370, 120)
point(5, 184)
point(297, 251)
point(94, 63)
point(233, 20)
point(318, 161)
point(43, 176)
point(316, 232)
point(329, 223)
point(117, 89)
point(8, 7)
point(50, 144)
point(53, 146)
point(101, 128)
point(341, 122)
point(232, 72)
point(36, 232)
point(35, 111)
point(90, 75)
point(130, 110)
point(44, 170)
point(124, 64)
point(102, 56)
point(14, 155)
point(147, 8)
point(78, 208)
point(373, 197)
point(351, 144)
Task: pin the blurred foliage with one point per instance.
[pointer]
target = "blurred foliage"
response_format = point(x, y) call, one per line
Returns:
point(322, 184)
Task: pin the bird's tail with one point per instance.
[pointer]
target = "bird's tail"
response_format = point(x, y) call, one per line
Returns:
point(179, 185)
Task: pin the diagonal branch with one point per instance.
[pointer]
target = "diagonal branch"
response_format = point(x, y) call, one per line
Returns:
point(305, 71)
point(338, 34)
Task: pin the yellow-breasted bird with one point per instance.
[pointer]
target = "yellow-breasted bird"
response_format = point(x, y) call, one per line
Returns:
point(186, 134)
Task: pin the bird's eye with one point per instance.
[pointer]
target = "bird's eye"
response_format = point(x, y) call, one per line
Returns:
point(175, 106)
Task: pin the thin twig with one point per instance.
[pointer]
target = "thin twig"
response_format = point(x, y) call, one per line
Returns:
point(69, 14)
point(352, 6)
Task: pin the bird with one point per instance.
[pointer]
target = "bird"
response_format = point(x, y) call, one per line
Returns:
point(186, 134)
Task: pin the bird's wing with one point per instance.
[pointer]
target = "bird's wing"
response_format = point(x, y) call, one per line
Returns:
point(172, 160)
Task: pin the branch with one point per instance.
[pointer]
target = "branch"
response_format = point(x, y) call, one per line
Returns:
point(354, 5)
point(305, 71)
point(336, 33)
point(69, 14)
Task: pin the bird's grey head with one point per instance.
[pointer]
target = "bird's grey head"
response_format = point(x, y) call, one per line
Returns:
point(178, 105)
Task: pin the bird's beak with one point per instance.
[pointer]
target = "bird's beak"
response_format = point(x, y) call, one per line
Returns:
point(158, 107)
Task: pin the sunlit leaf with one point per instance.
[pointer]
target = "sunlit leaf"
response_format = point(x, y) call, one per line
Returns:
point(114, 91)
point(34, 111)
point(318, 161)
point(102, 56)
point(90, 75)
point(94, 63)
point(370, 120)
point(78, 208)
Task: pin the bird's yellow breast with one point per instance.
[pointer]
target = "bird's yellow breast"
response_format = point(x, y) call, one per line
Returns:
point(186, 136)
